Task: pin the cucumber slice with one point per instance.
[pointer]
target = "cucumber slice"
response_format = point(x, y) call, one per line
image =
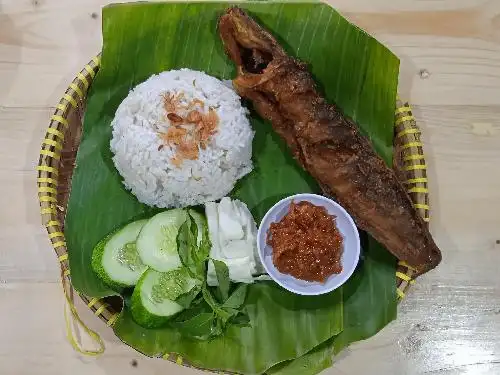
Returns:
point(153, 300)
point(157, 242)
point(115, 259)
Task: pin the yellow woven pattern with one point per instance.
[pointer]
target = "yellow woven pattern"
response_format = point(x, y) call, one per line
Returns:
point(403, 119)
point(59, 244)
point(70, 100)
point(403, 110)
point(83, 80)
point(407, 131)
point(418, 190)
point(48, 211)
point(56, 132)
point(49, 156)
point(46, 189)
point(51, 142)
point(60, 119)
point(413, 144)
point(112, 320)
point(47, 180)
point(54, 155)
point(417, 180)
point(77, 90)
point(414, 157)
point(47, 198)
point(90, 71)
point(412, 154)
point(48, 173)
point(62, 107)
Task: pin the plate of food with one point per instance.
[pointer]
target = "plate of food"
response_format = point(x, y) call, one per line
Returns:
point(226, 187)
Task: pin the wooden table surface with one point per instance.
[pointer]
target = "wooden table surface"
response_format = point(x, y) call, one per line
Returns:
point(449, 324)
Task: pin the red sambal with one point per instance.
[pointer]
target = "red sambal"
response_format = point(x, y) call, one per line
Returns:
point(306, 243)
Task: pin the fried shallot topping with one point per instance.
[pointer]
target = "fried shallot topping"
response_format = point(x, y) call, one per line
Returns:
point(190, 127)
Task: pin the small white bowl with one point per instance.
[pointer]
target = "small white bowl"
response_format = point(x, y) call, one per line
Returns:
point(350, 253)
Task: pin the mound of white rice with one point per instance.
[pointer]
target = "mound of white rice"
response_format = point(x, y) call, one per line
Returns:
point(144, 160)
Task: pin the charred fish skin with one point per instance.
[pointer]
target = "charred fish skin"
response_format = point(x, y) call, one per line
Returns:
point(326, 143)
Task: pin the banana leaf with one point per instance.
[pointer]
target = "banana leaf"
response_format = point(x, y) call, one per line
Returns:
point(351, 68)
point(311, 363)
point(250, 350)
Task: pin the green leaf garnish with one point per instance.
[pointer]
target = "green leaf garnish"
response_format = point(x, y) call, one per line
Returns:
point(222, 273)
point(237, 298)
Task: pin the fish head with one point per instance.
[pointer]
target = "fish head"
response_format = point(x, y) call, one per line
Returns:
point(251, 48)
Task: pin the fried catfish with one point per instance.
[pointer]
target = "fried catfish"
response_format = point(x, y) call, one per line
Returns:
point(324, 141)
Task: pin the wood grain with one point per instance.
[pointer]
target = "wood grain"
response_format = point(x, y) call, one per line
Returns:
point(449, 324)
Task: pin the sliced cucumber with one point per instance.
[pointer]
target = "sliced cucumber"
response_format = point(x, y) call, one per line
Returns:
point(115, 259)
point(153, 300)
point(157, 242)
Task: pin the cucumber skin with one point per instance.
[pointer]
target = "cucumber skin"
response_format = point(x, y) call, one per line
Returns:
point(98, 268)
point(142, 316)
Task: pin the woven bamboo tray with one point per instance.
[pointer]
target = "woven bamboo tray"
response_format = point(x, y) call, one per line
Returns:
point(56, 163)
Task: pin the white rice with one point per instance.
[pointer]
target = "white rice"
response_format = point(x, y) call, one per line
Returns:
point(149, 172)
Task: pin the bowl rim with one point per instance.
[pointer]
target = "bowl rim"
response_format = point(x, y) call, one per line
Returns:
point(327, 201)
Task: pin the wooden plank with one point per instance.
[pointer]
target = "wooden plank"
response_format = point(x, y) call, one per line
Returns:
point(21, 133)
point(37, 343)
point(44, 45)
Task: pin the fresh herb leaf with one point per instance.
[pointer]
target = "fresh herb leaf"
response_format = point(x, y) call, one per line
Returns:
point(208, 297)
point(199, 306)
point(193, 230)
point(187, 299)
point(188, 249)
point(221, 313)
point(194, 322)
point(222, 273)
point(237, 298)
point(217, 327)
point(183, 245)
point(241, 320)
point(198, 327)
point(205, 245)
point(230, 311)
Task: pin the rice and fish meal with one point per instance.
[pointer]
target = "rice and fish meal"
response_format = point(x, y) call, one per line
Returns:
point(182, 140)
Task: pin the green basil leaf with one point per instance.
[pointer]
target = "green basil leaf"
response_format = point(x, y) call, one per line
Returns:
point(198, 327)
point(241, 320)
point(207, 295)
point(237, 298)
point(186, 299)
point(188, 249)
point(222, 273)
point(217, 327)
point(183, 246)
point(205, 245)
point(193, 232)
point(230, 311)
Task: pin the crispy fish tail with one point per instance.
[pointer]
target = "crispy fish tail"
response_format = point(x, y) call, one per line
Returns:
point(324, 141)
